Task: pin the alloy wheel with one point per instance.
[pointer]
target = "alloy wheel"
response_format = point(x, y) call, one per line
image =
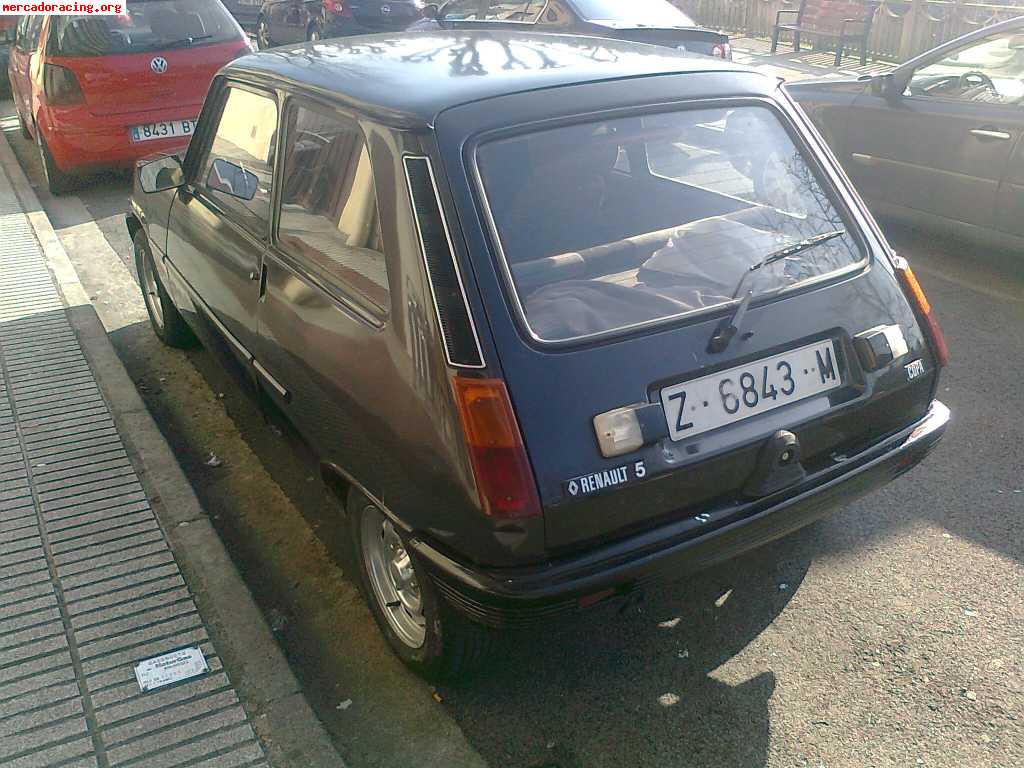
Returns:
point(392, 577)
point(150, 291)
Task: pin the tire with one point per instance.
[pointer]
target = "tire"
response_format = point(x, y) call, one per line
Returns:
point(167, 323)
point(57, 181)
point(450, 646)
point(263, 40)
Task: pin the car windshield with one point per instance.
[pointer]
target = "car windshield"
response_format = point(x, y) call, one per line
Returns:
point(646, 12)
point(620, 223)
point(148, 25)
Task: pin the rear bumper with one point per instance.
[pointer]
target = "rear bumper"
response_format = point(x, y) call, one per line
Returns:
point(81, 141)
point(513, 597)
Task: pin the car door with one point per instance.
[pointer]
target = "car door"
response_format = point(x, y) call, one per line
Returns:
point(1010, 205)
point(940, 138)
point(25, 45)
point(219, 223)
point(325, 352)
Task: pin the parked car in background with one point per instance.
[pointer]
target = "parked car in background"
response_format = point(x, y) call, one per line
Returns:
point(292, 21)
point(103, 91)
point(937, 141)
point(8, 29)
point(642, 21)
point(246, 12)
point(599, 312)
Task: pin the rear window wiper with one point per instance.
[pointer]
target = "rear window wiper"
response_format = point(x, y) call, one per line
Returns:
point(185, 41)
point(729, 327)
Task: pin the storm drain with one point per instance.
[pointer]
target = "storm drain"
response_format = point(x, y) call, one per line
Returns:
point(89, 587)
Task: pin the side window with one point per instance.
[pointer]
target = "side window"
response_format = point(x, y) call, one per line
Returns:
point(329, 216)
point(494, 10)
point(239, 166)
point(990, 71)
point(29, 28)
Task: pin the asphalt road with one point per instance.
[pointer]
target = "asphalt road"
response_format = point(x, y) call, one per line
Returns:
point(890, 634)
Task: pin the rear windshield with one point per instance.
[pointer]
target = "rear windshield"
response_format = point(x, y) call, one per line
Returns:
point(648, 12)
point(614, 224)
point(149, 25)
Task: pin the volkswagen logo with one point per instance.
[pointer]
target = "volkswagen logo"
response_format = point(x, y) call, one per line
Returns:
point(158, 65)
point(385, 9)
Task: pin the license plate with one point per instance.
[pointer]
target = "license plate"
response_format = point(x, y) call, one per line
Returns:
point(726, 397)
point(165, 130)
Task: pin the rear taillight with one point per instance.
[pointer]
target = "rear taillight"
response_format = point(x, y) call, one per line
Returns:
point(338, 8)
point(914, 292)
point(722, 51)
point(61, 86)
point(502, 470)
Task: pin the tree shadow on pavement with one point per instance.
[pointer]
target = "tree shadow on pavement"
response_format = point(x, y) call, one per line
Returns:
point(598, 689)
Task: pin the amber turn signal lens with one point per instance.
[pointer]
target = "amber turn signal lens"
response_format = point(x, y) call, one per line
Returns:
point(914, 292)
point(502, 470)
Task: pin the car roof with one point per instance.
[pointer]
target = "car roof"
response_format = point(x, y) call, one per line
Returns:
point(410, 77)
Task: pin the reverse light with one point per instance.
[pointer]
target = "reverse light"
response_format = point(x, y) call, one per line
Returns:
point(618, 431)
point(914, 292)
point(722, 51)
point(61, 86)
point(503, 475)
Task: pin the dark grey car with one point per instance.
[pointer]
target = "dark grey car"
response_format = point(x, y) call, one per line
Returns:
point(937, 141)
point(550, 330)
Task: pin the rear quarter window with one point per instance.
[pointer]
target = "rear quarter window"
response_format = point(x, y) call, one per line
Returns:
point(152, 25)
point(329, 218)
point(610, 225)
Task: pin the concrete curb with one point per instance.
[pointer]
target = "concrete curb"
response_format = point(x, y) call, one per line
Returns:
point(290, 731)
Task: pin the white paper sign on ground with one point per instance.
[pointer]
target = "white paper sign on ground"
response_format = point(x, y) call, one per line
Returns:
point(170, 668)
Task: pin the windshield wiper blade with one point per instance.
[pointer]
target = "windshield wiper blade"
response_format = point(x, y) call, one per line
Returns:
point(730, 326)
point(185, 41)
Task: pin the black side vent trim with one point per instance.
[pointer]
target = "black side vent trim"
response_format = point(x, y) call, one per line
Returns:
point(462, 345)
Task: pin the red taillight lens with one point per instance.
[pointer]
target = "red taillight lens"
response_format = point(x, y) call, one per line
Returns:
point(914, 292)
point(722, 51)
point(502, 470)
point(61, 86)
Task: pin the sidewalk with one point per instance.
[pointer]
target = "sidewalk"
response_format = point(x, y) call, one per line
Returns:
point(793, 66)
point(90, 585)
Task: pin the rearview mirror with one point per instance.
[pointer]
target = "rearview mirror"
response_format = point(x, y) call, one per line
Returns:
point(431, 11)
point(232, 180)
point(886, 87)
point(160, 174)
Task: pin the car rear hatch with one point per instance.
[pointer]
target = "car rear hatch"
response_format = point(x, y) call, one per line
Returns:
point(163, 54)
point(627, 247)
point(383, 16)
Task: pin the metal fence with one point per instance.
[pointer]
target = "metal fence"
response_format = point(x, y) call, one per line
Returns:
point(902, 28)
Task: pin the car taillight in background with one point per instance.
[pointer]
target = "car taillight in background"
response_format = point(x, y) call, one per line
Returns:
point(914, 292)
point(722, 51)
point(338, 8)
point(61, 86)
point(502, 470)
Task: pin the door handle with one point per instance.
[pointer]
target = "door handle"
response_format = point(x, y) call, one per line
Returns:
point(990, 133)
point(254, 275)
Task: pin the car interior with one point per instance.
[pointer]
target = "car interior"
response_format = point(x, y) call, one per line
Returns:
point(641, 219)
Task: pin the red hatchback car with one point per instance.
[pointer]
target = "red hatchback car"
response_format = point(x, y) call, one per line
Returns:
point(104, 91)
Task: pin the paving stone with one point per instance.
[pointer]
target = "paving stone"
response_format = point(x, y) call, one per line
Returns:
point(88, 584)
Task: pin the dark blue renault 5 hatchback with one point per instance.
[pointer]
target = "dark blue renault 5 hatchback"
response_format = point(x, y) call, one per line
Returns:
point(558, 315)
